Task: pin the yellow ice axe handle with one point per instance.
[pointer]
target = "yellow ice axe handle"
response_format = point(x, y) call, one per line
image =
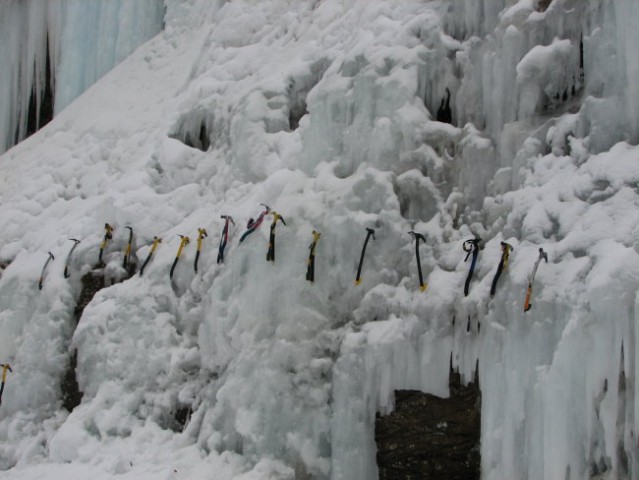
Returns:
point(184, 241)
point(155, 244)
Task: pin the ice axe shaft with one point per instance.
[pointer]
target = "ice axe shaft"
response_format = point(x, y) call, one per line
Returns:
point(185, 241)
point(369, 233)
point(310, 271)
point(201, 235)
point(156, 241)
point(108, 235)
point(44, 269)
point(542, 256)
point(270, 254)
point(418, 237)
point(503, 264)
point(5, 367)
point(67, 263)
point(127, 252)
point(225, 237)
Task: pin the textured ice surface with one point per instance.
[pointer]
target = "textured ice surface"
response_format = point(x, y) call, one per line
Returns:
point(284, 378)
point(80, 39)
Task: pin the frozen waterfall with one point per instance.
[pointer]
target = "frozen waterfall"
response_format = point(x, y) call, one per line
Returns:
point(326, 112)
point(53, 50)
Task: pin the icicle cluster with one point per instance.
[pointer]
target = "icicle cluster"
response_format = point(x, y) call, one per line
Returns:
point(53, 50)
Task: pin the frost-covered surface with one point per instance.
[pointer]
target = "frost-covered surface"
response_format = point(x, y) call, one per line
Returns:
point(284, 377)
point(83, 40)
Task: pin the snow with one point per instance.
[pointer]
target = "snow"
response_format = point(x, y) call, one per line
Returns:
point(283, 377)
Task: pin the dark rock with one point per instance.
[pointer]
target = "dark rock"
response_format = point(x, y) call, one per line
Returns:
point(71, 394)
point(92, 282)
point(429, 437)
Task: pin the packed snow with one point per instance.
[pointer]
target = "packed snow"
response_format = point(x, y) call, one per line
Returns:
point(325, 111)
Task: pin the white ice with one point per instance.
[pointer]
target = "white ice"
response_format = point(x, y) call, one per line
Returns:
point(285, 377)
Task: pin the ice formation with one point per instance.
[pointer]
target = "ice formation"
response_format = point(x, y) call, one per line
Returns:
point(325, 111)
point(53, 50)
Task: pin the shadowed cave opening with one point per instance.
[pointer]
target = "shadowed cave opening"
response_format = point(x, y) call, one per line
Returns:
point(429, 437)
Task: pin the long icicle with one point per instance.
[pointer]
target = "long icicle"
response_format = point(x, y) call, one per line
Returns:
point(67, 263)
point(542, 256)
point(506, 248)
point(369, 233)
point(418, 237)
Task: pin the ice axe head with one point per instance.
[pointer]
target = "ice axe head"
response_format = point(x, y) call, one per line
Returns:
point(277, 216)
point(75, 240)
point(506, 246)
point(228, 218)
point(185, 239)
point(417, 236)
point(202, 232)
point(543, 254)
point(371, 232)
point(51, 256)
point(268, 209)
point(473, 243)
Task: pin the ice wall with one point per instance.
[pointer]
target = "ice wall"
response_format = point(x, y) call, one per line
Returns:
point(54, 50)
point(283, 378)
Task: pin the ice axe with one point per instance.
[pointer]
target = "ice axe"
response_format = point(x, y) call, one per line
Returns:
point(67, 263)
